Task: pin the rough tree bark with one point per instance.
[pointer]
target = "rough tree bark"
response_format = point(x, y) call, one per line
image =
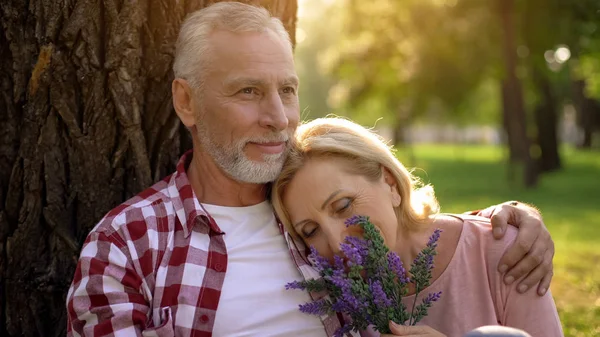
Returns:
point(87, 122)
point(515, 121)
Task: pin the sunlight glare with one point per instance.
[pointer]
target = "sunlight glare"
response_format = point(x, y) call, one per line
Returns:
point(562, 54)
point(549, 56)
point(300, 35)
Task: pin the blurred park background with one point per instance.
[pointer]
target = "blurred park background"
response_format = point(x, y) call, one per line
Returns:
point(489, 101)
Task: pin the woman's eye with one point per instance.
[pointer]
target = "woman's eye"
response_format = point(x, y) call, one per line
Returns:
point(309, 231)
point(344, 205)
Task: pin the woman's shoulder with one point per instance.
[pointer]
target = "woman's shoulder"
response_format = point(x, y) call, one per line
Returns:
point(482, 226)
point(476, 233)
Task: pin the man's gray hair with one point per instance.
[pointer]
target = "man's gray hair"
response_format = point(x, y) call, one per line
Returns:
point(192, 44)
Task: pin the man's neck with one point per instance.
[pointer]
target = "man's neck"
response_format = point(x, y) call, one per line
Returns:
point(212, 186)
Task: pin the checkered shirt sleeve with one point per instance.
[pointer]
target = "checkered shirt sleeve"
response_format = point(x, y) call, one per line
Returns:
point(153, 266)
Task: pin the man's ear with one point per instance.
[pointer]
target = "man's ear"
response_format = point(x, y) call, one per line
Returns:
point(182, 101)
point(390, 180)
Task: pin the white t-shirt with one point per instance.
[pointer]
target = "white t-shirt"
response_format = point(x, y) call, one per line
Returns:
point(253, 300)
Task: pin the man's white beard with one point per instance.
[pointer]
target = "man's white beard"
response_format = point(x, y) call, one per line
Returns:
point(234, 162)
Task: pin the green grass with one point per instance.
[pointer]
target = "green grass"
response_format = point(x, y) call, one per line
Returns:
point(471, 177)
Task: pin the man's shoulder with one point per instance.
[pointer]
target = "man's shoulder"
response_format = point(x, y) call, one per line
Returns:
point(151, 203)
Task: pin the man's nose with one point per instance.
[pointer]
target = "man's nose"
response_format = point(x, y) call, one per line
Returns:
point(273, 115)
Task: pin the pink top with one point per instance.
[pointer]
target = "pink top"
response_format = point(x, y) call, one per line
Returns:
point(474, 295)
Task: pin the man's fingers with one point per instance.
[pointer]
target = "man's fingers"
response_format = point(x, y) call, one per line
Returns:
point(536, 264)
point(500, 220)
point(526, 265)
point(540, 276)
point(519, 248)
point(545, 282)
point(532, 251)
point(537, 275)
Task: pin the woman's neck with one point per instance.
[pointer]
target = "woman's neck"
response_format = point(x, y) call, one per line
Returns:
point(411, 242)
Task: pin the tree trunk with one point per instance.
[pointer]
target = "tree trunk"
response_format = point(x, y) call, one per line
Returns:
point(515, 121)
point(514, 151)
point(588, 113)
point(546, 119)
point(87, 122)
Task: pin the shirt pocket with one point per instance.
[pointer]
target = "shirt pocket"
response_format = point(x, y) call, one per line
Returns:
point(165, 328)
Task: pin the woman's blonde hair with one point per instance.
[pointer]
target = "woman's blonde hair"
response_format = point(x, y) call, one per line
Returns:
point(367, 153)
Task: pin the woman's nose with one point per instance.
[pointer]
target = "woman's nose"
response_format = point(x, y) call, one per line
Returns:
point(335, 238)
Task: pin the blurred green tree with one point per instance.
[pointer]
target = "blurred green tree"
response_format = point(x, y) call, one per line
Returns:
point(471, 61)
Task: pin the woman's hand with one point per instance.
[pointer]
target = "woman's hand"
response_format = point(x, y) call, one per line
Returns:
point(413, 331)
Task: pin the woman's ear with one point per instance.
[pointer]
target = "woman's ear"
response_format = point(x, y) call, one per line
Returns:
point(390, 180)
point(183, 101)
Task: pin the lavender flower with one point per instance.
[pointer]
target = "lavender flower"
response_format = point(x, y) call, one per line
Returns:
point(320, 262)
point(343, 330)
point(361, 244)
point(421, 310)
point(379, 296)
point(423, 263)
point(432, 297)
point(354, 254)
point(318, 307)
point(295, 285)
point(338, 266)
point(347, 299)
point(432, 243)
point(368, 282)
point(397, 268)
point(421, 272)
point(356, 220)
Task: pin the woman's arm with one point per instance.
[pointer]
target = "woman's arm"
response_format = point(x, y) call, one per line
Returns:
point(536, 315)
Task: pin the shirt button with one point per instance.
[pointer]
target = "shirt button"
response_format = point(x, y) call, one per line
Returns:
point(203, 318)
point(218, 267)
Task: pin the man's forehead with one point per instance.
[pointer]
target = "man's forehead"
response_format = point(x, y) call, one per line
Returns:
point(260, 78)
point(247, 42)
point(250, 51)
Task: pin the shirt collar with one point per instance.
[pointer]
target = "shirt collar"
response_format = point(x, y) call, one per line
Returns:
point(187, 207)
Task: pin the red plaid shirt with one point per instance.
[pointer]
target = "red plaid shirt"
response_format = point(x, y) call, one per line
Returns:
point(155, 265)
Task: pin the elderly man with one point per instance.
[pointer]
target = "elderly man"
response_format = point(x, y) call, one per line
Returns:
point(200, 253)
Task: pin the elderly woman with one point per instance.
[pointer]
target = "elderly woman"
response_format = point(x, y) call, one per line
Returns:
point(340, 169)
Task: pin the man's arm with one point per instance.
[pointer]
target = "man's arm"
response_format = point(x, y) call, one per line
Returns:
point(533, 250)
point(104, 298)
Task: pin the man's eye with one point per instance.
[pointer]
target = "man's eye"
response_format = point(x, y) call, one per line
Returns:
point(248, 91)
point(289, 90)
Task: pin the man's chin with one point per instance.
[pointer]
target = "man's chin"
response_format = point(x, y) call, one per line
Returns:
point(259, 172)
point(253, 154)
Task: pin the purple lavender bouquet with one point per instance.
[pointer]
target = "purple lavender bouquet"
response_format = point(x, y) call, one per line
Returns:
point(368, 285)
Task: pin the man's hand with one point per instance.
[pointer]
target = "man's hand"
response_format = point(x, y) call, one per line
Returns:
point(532, 252)
point(413, 331)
